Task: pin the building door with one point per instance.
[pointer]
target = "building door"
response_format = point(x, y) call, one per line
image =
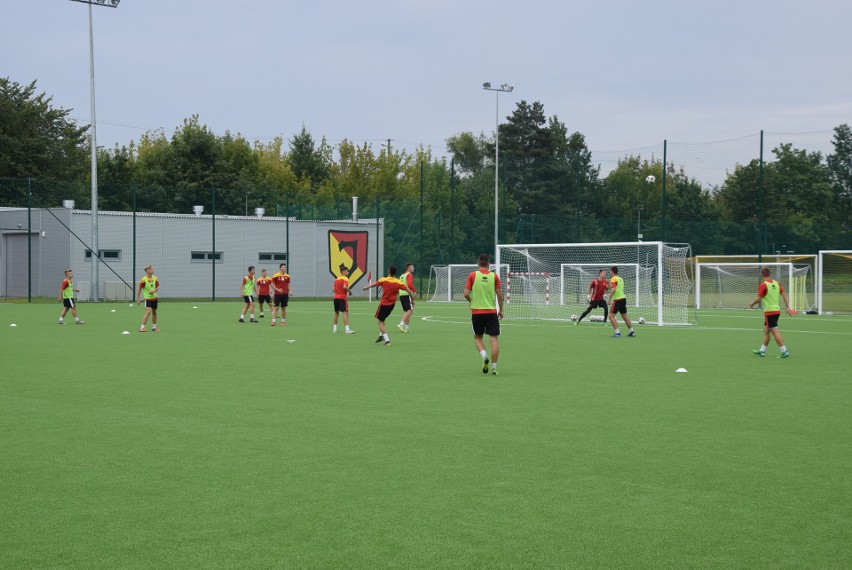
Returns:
point(15, 267)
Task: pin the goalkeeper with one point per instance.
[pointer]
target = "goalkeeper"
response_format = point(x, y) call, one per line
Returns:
point(597, 289)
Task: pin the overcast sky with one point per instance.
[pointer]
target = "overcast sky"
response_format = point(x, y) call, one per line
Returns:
point(625, 74)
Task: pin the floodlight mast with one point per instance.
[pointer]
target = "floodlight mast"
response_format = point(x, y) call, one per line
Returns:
point(95, 250)
point(503, 88)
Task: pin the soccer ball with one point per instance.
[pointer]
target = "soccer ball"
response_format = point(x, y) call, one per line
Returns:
point(651, 179)
point(641, 320)
point(573, 318)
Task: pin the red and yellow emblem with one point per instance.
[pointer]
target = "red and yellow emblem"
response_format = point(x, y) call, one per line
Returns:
point(350, 250)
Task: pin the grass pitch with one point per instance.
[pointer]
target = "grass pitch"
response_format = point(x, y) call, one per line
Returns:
point(214, 444)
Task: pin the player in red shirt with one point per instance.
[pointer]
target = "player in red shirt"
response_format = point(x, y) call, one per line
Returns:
point(341, 290)
point(282, 289)
point(597, 290)
point(262, 286)
point(391, 287)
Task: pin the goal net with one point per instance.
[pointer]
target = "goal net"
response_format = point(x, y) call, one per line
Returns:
point(447, 281)
point(834, 282)
point(550, 281)
point(734, 285)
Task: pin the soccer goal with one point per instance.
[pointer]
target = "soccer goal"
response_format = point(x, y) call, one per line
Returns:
point(550, 281)
point(734, 285)
point(834, 281)
point(449, 281)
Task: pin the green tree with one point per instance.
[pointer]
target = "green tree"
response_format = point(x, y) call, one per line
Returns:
point(38, 140)
point(310, 163)
point(840, 172)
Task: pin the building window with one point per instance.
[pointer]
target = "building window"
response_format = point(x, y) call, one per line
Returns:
point(205, 256)
point(106, 254)
point(269, 256)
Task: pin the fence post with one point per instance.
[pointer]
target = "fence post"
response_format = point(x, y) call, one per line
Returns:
point(29, 240)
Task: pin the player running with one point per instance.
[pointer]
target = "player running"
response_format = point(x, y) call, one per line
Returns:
point(66, 295)
point(481, 291)
point(770, 292)
point(597, 288)
point(149, 285)
point(391, 286)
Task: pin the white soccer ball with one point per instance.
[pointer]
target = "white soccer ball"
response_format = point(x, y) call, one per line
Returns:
point(641, 320)
point(573, 318)
point(651, 179)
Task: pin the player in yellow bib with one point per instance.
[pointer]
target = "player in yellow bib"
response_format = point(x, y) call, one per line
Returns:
point(618, 303)
point(66, 295)
point(149, 285)
point(770, 293)
point(482, 291)
point(248, 296)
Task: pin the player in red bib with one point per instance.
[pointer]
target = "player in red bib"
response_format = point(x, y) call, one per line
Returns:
point(391, 286)
point(262, 286)
point(597, 290)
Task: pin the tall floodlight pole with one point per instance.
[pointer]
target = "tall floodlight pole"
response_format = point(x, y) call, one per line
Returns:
point(96, 255)
point(504, 88)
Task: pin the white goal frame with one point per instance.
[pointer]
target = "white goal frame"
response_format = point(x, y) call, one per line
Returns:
point(783, 271)
point(820, 274)
point(461, 271)
point(669, 284)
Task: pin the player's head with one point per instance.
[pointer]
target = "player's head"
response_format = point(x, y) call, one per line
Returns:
point(69, 272)
point(149, 269)
point(392, 270)
point(409, 267)
point(343, 270)
point(283, 267)
point(601, 273)
point(263, 272)
point(765, 272)
point(614, 270)
point(251, 269)
point(483, 260)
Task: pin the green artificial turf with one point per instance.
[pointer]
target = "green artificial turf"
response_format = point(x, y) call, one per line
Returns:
point(214, 444)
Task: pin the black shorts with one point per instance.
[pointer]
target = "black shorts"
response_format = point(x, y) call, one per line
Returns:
point(384, 312)
point(248, 298)
point(281, 300)
point(599, 303)
point(341, 306)
point(151, 303)
point(771, 321)
point(264, 299)
point(68, 303)
point(485, 323)
point(405, 301)
point(619, 306)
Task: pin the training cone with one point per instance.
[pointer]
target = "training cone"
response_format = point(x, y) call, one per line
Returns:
point(13, 325)
point(125, 332)
point(681, 370)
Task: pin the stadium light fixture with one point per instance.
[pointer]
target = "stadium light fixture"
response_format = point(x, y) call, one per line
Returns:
point(504, 88)
point(94, 294)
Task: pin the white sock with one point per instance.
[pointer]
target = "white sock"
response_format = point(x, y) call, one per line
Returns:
point(783, 348)
point(77, 319)
point(402, 324)
point(617, 331)
point(762, 348)
point(242, 316)
point(154, 327)
point(406, 327)
point(347, 328)
point(483, 354)
point(334, 328)
point(494, 366)
point(261, 313)
point(386, 337)
point(251, 316)
point(273, 321)
point(61, 320)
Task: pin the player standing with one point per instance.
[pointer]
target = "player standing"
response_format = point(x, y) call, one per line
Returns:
point(597, 289)
point(481, 291)
point(66, 295)
point(281, 287)
point(248, 296)
point(406, 300)
point(391, 286)
point(618, 303)
point(149, 285)
point(341, 290)
point(770, 292)
point(263, 296)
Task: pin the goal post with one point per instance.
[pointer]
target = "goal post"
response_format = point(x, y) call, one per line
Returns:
point(655, 276)
point(734, 285)
point(834, 281)
point(447, 282)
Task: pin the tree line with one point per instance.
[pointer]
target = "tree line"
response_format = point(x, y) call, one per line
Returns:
point(550, 189)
